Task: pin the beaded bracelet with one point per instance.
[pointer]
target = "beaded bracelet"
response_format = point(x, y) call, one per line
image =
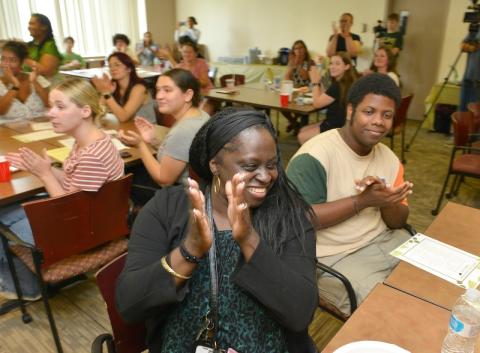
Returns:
point(187, 256)
point(170, 270)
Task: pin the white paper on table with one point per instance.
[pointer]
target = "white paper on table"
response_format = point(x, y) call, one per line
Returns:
point(60, 154)
point(110, 132)
point(36, 136)
point(67, 142)
point(445, 261)
point(118, 144)
point(87, 73)
point(41, 126)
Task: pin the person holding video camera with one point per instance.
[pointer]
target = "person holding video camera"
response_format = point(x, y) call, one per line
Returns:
point(392, 38)
point(470, 91)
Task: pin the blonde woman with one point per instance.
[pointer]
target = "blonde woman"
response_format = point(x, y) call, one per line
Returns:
point(92, 162)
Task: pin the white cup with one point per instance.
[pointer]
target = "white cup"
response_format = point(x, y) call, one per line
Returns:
point(230, 82)
point(287, 87)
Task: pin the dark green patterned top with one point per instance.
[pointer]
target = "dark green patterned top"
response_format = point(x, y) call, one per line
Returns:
point(245, 324)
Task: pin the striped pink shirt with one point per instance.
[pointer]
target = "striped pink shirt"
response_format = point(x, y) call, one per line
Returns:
point(90, 167)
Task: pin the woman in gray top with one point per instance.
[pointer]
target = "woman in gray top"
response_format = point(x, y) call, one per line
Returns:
point(178, 94)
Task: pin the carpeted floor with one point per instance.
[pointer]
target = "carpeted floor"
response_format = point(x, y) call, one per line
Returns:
point(80, 312)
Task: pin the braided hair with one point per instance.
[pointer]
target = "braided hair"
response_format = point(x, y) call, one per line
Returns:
point(283, 212)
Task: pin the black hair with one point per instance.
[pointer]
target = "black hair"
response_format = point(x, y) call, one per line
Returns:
point(133, 77)
point(18, 48)
point(69, 38)
point(193, 19)
point(379, 84)
point(44, 21)
point(122, 37)
point(185, 80)
point(186, 40)
point(284, 211)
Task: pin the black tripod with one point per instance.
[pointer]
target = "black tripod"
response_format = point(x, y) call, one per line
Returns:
point(435, 99)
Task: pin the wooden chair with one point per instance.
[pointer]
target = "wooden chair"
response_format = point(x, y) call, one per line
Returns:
point(399, 125)
point(126, 338)
point(239, 79)
point(74, 233)
point(466, 164)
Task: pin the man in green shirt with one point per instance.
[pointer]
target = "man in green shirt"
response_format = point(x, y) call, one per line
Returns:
point(71, 61)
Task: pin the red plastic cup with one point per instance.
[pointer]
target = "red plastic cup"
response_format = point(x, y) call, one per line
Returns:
point(284, 99)
point(5, 175)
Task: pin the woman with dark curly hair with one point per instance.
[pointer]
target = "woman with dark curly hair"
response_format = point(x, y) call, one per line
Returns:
point(230, 261)
point(22, 95)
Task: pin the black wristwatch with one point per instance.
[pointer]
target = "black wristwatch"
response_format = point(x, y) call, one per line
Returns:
point(107, 96)
point(187, 256)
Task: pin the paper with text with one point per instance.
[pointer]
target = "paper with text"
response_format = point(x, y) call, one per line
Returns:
point(445, 261)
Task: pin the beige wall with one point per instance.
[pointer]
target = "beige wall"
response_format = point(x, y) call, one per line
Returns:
point(455, 32)
point(161, 19)
point(435, 29)
point(231, 27)
point(420, 58)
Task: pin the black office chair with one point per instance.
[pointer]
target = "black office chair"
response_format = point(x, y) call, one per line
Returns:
point(330, 307)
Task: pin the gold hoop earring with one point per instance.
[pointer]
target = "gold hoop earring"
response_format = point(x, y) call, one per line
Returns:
point(216, 183)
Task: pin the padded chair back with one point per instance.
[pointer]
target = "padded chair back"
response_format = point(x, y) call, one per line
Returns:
point(71, 224)
point(239, 79)
point(401, 116)
point(127, 338)
point(462, 126)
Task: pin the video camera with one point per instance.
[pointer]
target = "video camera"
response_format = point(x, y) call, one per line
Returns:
point(379, 30)
point(473, 17)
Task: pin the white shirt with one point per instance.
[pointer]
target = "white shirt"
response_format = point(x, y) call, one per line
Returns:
point(193, 33)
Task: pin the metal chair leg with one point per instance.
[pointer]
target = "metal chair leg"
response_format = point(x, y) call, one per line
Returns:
point(37, 261)
point(460, 181)
point(440, 198)
point(450, 194)
point(26, 318)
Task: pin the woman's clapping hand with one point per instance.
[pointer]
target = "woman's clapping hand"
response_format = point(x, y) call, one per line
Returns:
point(199, 238)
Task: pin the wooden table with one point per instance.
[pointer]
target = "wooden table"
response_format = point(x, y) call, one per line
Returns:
point(23, 184)
point(256, 96)
point(391, 316)
point(456, 225)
